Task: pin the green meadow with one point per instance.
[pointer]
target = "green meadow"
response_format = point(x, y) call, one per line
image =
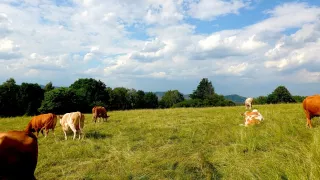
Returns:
point(183, 143)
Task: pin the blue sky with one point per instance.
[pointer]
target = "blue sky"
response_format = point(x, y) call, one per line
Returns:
point(245, 47)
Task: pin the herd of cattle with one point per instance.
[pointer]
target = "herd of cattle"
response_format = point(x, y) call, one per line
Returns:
point(19, 149)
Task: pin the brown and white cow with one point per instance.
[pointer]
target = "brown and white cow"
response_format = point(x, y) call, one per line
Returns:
point(18, 155)
point(42, 122)
point(99, 112)
point(74, 120)
point(311, 107)
point(248, 103)
point(252, 118)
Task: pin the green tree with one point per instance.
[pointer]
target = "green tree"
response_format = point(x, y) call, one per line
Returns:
point(140, 100)
point(30, 97)
point(91, 91)
point(260, 100)
point(120, 98)
point(151, 100)
point(170, 98)
point(48, 87)
point(204, 90)
point(299, 98)
point(9, 98)
point(280, 95)
point(60, 100)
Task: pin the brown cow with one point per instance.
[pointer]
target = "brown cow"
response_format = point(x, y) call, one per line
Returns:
point(42, 122)
point(99, 111)
point(311, 106)
point(18, 155)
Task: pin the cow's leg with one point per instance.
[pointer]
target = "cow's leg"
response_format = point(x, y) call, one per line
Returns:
point(46, 132)
point(73, 128)
point(65, 135)
point(308, 116)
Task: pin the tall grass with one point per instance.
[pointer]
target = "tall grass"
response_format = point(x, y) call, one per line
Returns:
point(184, 143)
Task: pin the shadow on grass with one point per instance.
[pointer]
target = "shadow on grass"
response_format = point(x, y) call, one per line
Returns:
point(97, 135)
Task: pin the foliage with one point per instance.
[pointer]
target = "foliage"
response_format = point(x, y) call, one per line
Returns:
point(48, 87)
point(30, 97)
point(204, 90)
point(280, 95)
point(151, 100)
point(260, 100)
point(170, 98)
point(8, 98)
point(299, 99)
point(119, 98)
point(214, 100)
point(91, 92)
point(60, 100)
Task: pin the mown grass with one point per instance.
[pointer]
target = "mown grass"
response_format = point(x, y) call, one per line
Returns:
point(186, 143)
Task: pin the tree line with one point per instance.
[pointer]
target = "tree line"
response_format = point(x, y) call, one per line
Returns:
point(83, 94)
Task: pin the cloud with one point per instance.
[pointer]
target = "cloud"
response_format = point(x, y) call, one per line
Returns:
point(125, 42)
point(8, 50)
point(211, 9)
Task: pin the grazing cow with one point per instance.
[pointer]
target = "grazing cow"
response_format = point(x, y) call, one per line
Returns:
point(74, 120)
point(251, 118)
point(42, 122)
point(99, 112)
point(18, 155)
point(311, 106)
point(248, 103)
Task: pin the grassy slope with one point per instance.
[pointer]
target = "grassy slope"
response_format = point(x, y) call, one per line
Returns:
point(204, 143)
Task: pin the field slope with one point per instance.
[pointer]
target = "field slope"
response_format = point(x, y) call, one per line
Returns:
point(190, 143)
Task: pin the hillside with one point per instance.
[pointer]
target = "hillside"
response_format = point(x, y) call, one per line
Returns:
point(183, 143)
point(236, 98)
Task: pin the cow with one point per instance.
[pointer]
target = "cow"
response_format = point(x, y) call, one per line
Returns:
point(248, 103)
point(74, 120)
point(253, 117)
point(18, 155)
point(42, 122)
point(311, 107)
point(99, 112)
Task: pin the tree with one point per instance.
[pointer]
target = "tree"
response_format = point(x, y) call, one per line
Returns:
point(260, 100)
point(60, 100)
point(280, 95)
point(204, 90)
point(120, 98)
point(170, 98)
point(151, 100)
point(140, 100)
point(48, 87)
point(8, 98)
point(30, 97)
point(91, 91)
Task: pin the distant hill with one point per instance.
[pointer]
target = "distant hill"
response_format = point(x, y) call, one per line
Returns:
point(235, 98)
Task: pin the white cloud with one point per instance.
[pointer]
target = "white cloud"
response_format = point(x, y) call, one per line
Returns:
point(122, 41)
point(211, 9)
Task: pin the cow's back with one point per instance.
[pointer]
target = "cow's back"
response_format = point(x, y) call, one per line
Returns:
point(311, 104)
point(18, 155)
point(77, 119)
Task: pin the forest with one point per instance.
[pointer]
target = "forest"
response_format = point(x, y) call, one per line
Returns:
point(84, 93)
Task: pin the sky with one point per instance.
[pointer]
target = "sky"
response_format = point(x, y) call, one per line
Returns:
point(244, 47)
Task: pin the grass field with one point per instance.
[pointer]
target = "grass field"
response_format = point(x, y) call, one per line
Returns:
point(186, 143)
